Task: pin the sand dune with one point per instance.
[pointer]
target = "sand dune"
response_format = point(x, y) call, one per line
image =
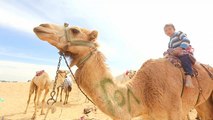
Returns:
point(13, 99)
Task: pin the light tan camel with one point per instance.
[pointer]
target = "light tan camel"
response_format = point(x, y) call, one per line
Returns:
point(153, 93)
point(63, 86)
point(125, 77)
point(40, 82)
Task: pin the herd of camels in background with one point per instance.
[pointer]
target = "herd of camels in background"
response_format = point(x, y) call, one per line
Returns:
point(42, 82)
point(154, 92)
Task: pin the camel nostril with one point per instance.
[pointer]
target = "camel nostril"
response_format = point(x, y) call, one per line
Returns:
point(36, 29)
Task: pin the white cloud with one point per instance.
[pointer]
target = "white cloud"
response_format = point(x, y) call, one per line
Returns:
point(17, 18)
point(18, 71)
point(25, 56)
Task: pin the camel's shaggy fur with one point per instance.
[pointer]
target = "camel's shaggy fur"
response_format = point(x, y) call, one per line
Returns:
point(153, 93)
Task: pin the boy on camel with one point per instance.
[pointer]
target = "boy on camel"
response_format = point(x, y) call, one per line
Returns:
point(179, 46)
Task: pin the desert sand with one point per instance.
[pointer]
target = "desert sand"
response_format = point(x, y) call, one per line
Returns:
point(13, 99)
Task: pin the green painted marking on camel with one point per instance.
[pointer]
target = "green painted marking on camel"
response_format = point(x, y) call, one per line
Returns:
point(103, 84)
point(129, 92)
point(119, 98)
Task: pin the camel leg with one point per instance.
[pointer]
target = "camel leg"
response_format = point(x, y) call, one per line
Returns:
point(57, 93)
point(43, 101)
point(32, 87)
point(36, 91)
point(61, 94)
point(68, 93)
point(65, 98)
point(36, 102)
point(39, 95)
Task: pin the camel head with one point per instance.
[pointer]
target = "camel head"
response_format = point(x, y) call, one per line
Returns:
point(63, 73)
point(75, 42)
point(61, 76)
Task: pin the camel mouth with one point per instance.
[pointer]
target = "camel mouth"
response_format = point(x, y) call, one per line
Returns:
point(70, 54)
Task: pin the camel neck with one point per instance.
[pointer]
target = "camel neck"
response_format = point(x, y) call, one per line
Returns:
point(93, 71)
point(97, 82)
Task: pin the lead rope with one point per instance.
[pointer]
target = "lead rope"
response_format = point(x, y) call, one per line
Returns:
point(200, 92)
point(74, 77)
point(52, 94)
point(207, 70)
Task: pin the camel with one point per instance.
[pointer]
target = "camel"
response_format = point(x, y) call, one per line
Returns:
point(67, 87)
point(125, 77)
point(39, 83)
point(130, 73)
point(154, 93)
point(63, 85)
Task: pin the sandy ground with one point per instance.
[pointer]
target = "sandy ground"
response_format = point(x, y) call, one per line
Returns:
point(13, 99)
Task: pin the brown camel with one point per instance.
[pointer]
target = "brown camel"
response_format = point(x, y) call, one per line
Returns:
point(63, 86)
point(40, 82)
point(153, 93)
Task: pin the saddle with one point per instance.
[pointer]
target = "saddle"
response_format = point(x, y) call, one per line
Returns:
point(177, 63)
point(39, 73)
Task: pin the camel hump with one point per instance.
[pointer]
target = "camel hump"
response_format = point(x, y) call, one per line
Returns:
point(39, 73)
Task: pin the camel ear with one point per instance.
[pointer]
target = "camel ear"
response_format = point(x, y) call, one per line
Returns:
point(75, 30)
point(93, 35)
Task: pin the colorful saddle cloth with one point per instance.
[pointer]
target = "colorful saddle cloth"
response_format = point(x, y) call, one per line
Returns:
point(38, 73)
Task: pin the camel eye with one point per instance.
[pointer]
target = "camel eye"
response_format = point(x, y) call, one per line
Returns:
point(74, 30)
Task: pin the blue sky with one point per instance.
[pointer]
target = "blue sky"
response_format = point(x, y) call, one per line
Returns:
point(130, 32)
